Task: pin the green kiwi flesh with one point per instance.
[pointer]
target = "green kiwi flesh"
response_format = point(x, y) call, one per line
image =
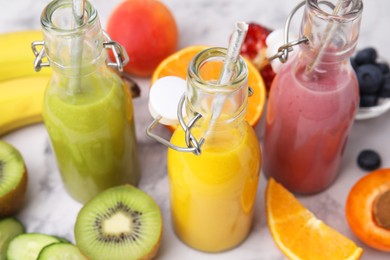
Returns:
point(120, 223)
point(61, 251)
point(27, 246)
point(13, 179)
point(9, 228)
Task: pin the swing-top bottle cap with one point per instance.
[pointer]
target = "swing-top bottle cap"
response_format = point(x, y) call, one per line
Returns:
point(164, 97)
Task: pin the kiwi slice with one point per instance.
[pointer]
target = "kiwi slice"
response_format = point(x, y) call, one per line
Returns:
point(13, 180)
point(120, 223)
point(28, 246)
point(61, 251)
point(9, 228)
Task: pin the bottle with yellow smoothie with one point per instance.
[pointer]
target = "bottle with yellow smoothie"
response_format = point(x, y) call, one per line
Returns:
point(87, 112)
point(213, 193)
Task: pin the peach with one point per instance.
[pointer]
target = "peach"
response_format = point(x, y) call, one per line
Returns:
point(148, 32)
point(368, 209)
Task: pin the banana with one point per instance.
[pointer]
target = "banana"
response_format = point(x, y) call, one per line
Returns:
point(21, 102)
point(16, 56)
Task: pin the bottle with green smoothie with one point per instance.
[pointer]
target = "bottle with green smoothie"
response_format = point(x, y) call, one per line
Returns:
point(87, 111)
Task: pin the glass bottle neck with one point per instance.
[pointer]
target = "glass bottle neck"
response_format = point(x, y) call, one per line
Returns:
point(332, 29)
point(73, 50)
point(221, 105)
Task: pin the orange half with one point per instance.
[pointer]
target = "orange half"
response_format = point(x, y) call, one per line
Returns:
point(299, 234)
point(177, 63)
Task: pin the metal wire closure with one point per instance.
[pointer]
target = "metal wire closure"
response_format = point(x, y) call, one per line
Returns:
point(193, 145)
point(120, 54)
point(39, 55)
point(283, 50)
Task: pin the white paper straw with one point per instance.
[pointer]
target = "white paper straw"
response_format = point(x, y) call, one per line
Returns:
point(78, 9)
point(233, 51)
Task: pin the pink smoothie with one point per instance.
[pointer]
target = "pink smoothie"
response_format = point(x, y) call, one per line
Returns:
point(307, 125)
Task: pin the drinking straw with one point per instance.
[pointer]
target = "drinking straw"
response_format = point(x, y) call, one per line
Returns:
point(341, 7)
point(78, 9)
point(233, 52)
point(231, 57)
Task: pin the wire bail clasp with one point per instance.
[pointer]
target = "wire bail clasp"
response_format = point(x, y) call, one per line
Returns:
point(193, 145)
point(283, 50)
point(39, 55)
point(120, 54)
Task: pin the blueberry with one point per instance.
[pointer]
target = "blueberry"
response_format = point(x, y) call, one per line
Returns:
point(368, 100)
point(370, 78)
point(384, 67)
point(369, 160)
point(385, 89)
point(366, 56)
point(354, 64)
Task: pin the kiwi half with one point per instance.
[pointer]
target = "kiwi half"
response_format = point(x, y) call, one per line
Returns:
point(13, 179)
point(120, 223)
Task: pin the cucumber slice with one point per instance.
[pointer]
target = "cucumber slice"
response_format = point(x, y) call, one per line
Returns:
point(28, 246)
point(63, 240)
point(61, 251)
point(9, 228)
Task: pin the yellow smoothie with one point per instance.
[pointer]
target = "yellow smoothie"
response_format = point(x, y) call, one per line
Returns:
point(212, 195)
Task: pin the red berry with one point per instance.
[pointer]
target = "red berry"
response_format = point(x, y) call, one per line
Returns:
point(268, 76)
point(254, 48)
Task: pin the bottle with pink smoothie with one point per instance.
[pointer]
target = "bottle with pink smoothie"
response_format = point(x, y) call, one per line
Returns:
point(313, 100)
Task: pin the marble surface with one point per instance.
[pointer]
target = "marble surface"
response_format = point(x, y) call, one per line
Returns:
point(49, 209)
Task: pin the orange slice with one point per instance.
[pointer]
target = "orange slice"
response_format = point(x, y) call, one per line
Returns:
point(299, 234)
point(177, 63)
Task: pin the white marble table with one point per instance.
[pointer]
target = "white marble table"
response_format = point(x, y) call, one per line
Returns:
point(50, 210)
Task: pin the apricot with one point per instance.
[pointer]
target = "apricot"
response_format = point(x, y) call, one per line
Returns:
point(148, 32)
point(368, 209)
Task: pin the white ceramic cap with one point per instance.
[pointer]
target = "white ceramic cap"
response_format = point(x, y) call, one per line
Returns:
point(164, 97)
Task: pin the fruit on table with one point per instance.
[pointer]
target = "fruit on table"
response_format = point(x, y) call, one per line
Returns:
point(254, 49)
point(13, 179)
point(369, 160)
point(16, 56)
point(370, 78)
point(148, 32)
point(28, 246)
point(120, 223)
point(61, 251)
point(177, 63)
point(21, 102)
point(366, 56)
point(9, 228)
point(368, 209)
point(20, 99)
point(373, 77)
point(298, 233)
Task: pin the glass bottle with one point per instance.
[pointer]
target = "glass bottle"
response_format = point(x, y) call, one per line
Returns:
point(87, 112)
point(313, 101)
point(213, 194)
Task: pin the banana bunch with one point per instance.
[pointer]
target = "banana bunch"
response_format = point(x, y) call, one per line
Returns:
point(21, 88)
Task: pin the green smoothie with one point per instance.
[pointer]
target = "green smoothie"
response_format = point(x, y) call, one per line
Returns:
point(92, 132)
